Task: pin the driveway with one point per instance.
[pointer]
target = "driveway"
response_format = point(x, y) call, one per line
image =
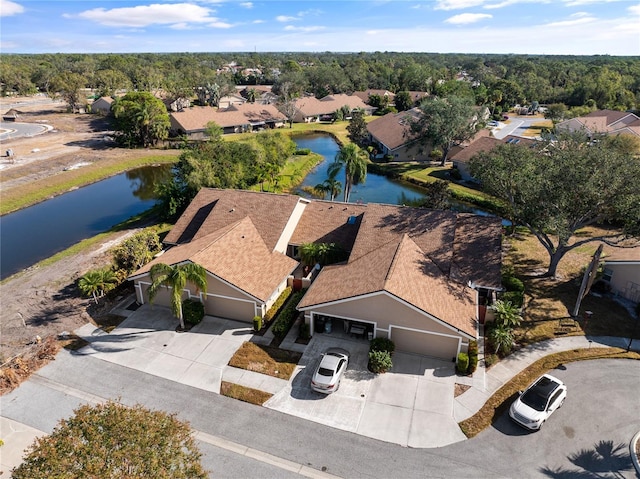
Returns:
point(516, 126)
point(412, 405)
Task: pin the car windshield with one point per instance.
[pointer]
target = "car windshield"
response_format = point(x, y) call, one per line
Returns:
point(538, 395)
point(325, 372)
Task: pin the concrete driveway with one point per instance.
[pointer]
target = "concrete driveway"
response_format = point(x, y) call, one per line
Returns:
point(412, 405)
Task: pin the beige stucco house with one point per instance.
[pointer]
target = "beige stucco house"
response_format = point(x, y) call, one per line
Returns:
point(392, 137)
point(608, 122)
point(413, 275)
point(311, 109)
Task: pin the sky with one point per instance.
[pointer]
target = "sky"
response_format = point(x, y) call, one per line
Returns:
point(553, 27)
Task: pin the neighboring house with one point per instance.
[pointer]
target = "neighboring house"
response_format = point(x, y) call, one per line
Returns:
point(364, 95)
point(235, 119)
point(102, 106)
point(410, 275)
point(622, 272)
point(264, 96)
point(461, 155)
point(229, 100)
point(391, 135)
point(310, 109)
point(176, 104)
point(608, 122)
point(418, 96)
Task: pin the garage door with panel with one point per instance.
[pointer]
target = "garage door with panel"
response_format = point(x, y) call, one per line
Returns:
point(424, 343)
point(230, 308)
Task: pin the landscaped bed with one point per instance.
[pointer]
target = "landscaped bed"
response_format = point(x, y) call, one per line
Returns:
point(275, 362)
point(243, 393)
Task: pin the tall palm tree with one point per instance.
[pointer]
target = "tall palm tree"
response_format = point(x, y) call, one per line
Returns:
point(175, 278)
point(354, 161)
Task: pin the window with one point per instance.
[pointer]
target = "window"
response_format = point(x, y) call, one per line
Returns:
point(607, 274)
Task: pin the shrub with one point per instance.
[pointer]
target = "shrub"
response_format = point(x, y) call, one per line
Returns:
point(455, 174)
point(511, 283)
point(275, 308)
point(302, 151)
point(507, 314)
point(382, 344)
point(463, 363)
point(192, 311)
point(473, 356)
point(514, 297)
point(257, 323)
point(287, 316)
point(490, 360)
point(304, 332)
point(380, 361)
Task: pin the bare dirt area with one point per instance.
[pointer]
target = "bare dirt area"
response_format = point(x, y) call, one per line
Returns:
point(44, 301)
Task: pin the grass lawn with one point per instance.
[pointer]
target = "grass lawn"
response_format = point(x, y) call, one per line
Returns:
point(536, 128)
point(275, 362)
point(243, 393)
point(503, 397)
point(549, 300)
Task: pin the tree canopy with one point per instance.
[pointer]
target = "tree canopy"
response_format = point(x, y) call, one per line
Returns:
point(354, 161)
point(561, 186)
point(141, 119)
point(112, 441)
point(445, 122)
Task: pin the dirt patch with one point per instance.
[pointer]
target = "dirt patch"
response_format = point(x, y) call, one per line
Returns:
point(460, 389)
point(45, 301)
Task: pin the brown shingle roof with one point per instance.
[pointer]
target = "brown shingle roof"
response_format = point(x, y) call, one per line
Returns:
point(213, 209)
point(238, 255)
point(196, 118)
point(327, 222)
point(485, 143)
point(607, 121)
point(311, 106)
point(393, 129)
point(364, 95)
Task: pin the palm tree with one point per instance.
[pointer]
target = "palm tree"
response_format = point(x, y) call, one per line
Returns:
point(175, 278)
point(501, 337)
point(97, 283)
point(355, 166)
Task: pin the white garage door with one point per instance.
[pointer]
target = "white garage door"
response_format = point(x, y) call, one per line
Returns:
point(230, 308)
point(424, 343)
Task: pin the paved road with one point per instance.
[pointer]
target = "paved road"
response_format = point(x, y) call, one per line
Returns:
point(19, 130)
point(602, 406)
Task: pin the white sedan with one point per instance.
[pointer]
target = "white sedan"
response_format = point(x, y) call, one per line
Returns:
point(333, 363)
point(538, 402)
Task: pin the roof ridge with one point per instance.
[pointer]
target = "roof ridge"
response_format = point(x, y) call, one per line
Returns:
point(396, 255)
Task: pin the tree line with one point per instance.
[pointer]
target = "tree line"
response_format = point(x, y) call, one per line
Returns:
point(498, 80)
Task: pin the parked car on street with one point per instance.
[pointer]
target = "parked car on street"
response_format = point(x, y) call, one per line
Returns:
point(333, 363)
point(538, 402)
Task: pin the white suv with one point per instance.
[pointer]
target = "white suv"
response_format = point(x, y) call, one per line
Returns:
point(538, 402)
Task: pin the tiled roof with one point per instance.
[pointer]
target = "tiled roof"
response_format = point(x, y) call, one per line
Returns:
point(393, 129)
point(196, 118)
point(607, 121)
point(238, 255)
point(213, 209)
point(486, 143)
point(311, 106)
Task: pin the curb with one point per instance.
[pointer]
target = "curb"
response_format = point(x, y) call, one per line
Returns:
point(632, 451)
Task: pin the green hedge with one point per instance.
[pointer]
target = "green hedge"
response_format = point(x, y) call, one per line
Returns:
point(473, 356)
point(287, 316)
point(192, 311)
point(302, 151)
point(275, 308)
point(511, 283)
point(463, 363)
point(382, 344)
point(515, 297)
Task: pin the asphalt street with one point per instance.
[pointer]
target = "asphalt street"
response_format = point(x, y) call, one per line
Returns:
point(601, 412)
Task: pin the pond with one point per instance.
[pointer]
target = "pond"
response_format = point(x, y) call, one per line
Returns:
point(42, 230)
point(376, 189)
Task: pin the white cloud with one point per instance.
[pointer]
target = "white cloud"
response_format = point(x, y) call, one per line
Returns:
point(634, 9)
point(257, 21)
point(145, 15)
point(8, 8)
point(291, 28)
point(457, 4)
point(285, 18)
point(246, 5)
point(219, 24)
point(578, 18)
point(577, 3)
point(466, 18)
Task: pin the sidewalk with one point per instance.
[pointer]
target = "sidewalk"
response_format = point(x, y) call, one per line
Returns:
point(17, 437)
point(486, 383)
